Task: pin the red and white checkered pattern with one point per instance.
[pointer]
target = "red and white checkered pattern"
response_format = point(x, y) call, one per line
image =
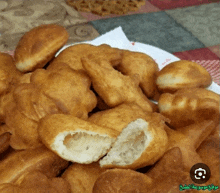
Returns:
point(213, 67)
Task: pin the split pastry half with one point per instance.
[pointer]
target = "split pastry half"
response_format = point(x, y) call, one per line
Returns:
point(74, 139)
point(140, 143)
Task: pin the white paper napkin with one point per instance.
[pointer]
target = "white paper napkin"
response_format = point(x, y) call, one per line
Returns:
point(117, 38)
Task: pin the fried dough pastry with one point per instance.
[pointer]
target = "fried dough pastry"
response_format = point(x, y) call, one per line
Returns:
point(36, 182)
point(39, 46)
point(82, 177)
point(118, 117)
point(23, 130)
point(188, 139)
point(120, 181)
point(75, 139)
point(73, 54)
point(8, 98)
point(67, 88)
point(200, 93)
point(187, 107)
point(140, 143)
point(25, 108)
point(168, 173)
point(182, 74)
point(112, 86)
point(33, 103)
point(139, 63)
point(18, 163)
point(209, 153)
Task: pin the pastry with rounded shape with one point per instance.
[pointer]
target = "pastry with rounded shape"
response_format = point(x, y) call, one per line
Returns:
point(118, 117)
point(18, 163)
point(82, 177)
point(72, 55)
point(122, 180)
point(38, 46)
point(36, 182)
point(140, 143)
point(114, 87)
point(187, 107)
point(182, 74)
point(139, 63)
point(75, 139)
point(67, 88)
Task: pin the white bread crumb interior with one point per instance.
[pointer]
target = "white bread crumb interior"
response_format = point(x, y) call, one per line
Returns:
point(129, 145)
point(82, 146)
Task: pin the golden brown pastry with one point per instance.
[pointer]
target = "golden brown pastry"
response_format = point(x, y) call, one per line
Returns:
point(67, 88)
point(23, 109)
point(121, 181)
point(18, 163)
point(36, 182)
point(82, 177)
point(209, 153)
point(140, 143)
point(182, 74)
point(32, 102)
point(39, 46)
point(200, 93)
point(185, 108)
point(112, 86)
point(118, 117)
point(188, 140)
point(139, 63)
point(75, 139)
point(8, 97)
point(168, 173)
point(72, 55)
point(23, 129)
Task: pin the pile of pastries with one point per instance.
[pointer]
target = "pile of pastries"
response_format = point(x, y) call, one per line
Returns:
point(85, 121)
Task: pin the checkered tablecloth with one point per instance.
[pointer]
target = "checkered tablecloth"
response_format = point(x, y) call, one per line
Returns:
point(188, 29)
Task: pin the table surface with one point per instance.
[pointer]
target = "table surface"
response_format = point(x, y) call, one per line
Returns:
point(187, 29)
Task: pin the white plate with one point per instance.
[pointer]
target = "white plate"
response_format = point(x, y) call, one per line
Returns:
point(161, 57)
